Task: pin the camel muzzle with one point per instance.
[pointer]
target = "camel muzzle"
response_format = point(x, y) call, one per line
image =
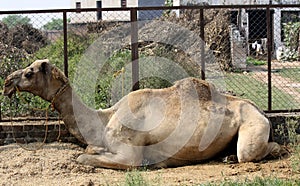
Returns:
point(11, 82)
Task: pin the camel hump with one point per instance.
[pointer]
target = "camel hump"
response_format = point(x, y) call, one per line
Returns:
point(199, 89)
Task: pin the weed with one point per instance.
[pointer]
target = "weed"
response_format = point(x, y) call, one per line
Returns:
point(256, 182)
point(291, 139)
point(255, 62)
point(294, 139)
point(135, 178)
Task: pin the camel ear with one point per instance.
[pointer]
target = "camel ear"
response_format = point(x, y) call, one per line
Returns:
point(45, 67)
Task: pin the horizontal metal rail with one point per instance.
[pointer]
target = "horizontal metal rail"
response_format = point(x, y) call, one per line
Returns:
point(22, 119)
point(151, 8)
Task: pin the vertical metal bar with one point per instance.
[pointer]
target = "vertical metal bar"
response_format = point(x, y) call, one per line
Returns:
point(269, 48)
point(65, 31)
point(99, 11)
point(134, 49)
point(0, 113)
point(202, 52)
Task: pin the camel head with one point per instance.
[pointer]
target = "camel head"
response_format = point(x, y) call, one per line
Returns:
point(40, 78)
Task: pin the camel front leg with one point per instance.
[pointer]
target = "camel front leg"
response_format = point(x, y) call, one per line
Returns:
point(123, 160)
point(93, 149)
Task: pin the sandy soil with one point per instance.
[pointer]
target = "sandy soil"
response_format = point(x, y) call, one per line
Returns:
point(55, 164)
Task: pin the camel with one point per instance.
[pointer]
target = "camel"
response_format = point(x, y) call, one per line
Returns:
point(187, 123)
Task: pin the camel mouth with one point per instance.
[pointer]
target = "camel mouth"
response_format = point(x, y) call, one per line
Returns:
point(9, 89)
point(10, 93)
point(11, 83)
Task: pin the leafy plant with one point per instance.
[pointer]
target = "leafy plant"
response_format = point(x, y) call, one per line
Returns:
point(14, 20)
point(291, 138)
point(292, 73)
point(291, 40)
point(256, 182)
point(256, 62)
point(17, 44)
point(77, 44)
point(54, 24)
point(135, 178)
point(292, 126)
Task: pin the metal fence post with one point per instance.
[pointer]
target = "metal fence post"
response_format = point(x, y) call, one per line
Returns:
point(0, 113)
point(65, 31)
point(134, 49)
point(202, 52)
point(269, 48)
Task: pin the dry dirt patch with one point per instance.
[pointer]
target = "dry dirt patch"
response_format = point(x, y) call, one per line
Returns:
point(55, 165)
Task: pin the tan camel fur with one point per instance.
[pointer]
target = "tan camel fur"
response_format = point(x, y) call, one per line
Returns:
point(184, 124)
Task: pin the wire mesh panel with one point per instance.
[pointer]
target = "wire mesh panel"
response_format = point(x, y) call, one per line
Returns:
point(249, 74)
point(285, 63)
point(249, 78)
point(244, 50)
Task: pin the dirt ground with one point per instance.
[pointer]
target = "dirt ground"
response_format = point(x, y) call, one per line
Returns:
point(55, 164)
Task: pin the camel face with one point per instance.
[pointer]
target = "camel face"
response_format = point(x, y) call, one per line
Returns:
point(32, 79)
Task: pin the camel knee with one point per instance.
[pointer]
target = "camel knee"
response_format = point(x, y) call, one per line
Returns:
point(245, 155)
point(273, 149)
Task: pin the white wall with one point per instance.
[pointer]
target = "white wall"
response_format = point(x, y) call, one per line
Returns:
point(83, 16)
point(117, 15)
point(107, 15)
point(223, 2)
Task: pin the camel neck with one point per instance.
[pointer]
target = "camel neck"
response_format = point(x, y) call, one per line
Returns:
point(84, 123)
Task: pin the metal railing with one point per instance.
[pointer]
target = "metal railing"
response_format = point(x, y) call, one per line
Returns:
point(257, 67)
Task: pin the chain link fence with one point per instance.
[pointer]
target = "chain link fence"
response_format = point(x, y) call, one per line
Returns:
point(248, 51)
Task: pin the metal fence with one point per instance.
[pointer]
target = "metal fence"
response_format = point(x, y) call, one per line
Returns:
point(251, 51)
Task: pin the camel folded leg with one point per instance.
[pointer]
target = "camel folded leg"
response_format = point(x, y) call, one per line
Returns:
point(124, 160)
point(253, 143)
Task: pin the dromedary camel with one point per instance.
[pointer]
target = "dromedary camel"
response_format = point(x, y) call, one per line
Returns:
point(186, 123)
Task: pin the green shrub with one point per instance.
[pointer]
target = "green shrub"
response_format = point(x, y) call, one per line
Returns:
point(77, 44)
point(135, 178)
point(291, 40)
point(257, 181)
point(255, 62)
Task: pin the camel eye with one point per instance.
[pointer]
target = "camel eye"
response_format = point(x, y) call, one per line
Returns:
point(29, 74)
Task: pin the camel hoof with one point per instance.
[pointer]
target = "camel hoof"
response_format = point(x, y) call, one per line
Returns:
point(230, 159)
point(83, 159)
point(284, 153)
point(90, 149)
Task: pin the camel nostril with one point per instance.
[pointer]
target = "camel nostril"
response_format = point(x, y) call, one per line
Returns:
point(8, 83)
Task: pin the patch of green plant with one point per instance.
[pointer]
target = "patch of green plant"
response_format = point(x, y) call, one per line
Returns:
point(24, 104)
point(135, 178)
point(1, 82)
point(257, 181)
point(295, 160)
point(291, 40)
point(109, 73)
point(292, 125)
point(283, 101)
point(255, 62)
point(292, 73)
point(245, 86)
point(77, 45)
